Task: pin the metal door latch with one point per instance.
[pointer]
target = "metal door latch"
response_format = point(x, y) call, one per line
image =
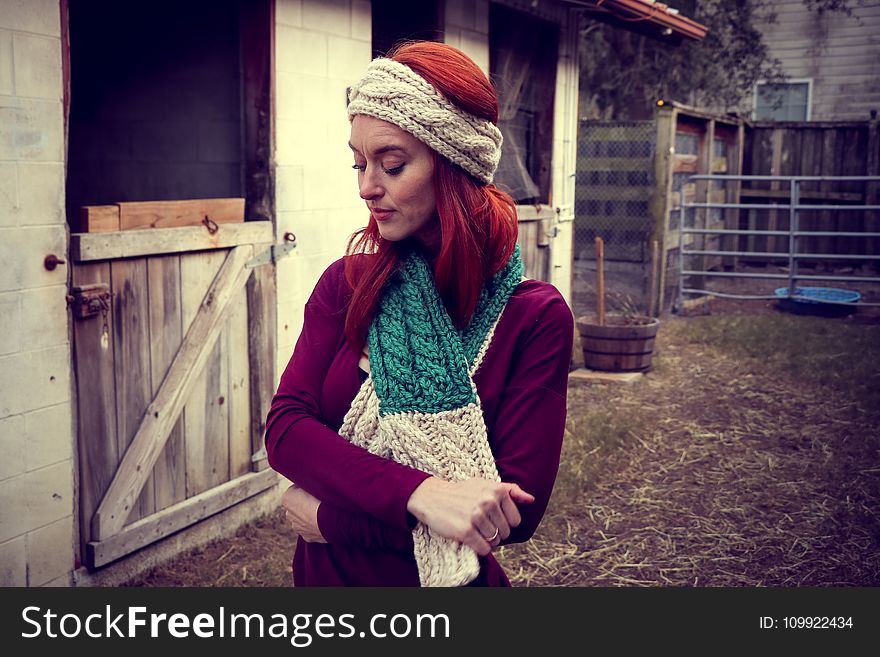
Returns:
point(274, 252)
point(89, 300)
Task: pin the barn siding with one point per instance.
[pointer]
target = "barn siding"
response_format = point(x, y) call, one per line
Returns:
point(36, 426)
point(841, 54)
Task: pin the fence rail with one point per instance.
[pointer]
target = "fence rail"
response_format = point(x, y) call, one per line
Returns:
point(794, 206)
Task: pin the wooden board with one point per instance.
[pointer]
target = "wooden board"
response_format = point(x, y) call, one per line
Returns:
point(178, 517)
point(164, 410)
point(85, 247)
point(239, 385)
point(262, 323)
point(170, 214)
point(131, 345)
point(166, 331)
point(205, 417)
point(98, 219)
point(96, 412)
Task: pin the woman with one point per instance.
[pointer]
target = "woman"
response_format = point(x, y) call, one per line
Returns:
point(421, 414)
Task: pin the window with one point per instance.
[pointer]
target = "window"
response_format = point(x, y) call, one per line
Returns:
point(788, 101)
point(523, 53)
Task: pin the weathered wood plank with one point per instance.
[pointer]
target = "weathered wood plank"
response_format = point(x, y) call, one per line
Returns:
point(239, 387)
point(138, 215)
point(131, 346)
point(262, 326)
point(85, 247)
point(203, 405)
point(97, 219)
point(96, 403)
point(177, 517)
point(828, 168)
point(166, 329)
point(165, 408)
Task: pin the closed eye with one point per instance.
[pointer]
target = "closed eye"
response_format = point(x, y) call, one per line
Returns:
point(395, 170)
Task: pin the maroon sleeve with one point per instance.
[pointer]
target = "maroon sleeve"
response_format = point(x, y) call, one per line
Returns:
point(305, 450)
point(526, 435)
point(341, 527)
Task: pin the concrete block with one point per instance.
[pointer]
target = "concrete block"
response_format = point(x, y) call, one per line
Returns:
point(300, 51)
point(50, 552)
point(22, 251)
point(9, 208)
point(219, 141)
point(31, 130)
point(12, 447)
point(43, 379)
point(324, 188)
point(476, 46)
point(362, 20)
point(13, 562)
point(48, 436)
point(37, 66)
point(288, 189)
point(481, 16)
point(328, 106)
point(7, 70)
point(62, 581)
point(10, 323)
point(289, 12)
point(41, 193)
point(48, 494)
point(347, 58)
point(13, 510)
point(289, 97)
point(460, 13)
point(332, 16)
point(39, 16)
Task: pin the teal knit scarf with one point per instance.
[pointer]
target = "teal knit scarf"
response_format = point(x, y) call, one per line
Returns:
point(419, 406)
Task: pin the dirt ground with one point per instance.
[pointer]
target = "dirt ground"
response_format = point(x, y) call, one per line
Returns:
point(717, 468)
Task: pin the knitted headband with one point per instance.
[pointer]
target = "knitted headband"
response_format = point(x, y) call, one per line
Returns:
point(393, 92)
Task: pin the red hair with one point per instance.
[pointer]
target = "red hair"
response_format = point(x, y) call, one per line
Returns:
point(478, 224)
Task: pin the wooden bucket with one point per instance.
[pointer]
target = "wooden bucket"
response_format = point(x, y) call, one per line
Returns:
point(623, 344)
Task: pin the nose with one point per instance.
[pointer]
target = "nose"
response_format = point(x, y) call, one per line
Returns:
point(370, 189)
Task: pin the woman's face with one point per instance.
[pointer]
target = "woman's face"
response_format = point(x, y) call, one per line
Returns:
point(395, 176)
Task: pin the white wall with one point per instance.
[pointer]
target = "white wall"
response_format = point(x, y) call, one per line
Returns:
point(321, 47)
point(841, 54)
point(36, 438)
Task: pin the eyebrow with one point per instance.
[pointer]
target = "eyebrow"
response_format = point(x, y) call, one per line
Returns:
point(382, 150)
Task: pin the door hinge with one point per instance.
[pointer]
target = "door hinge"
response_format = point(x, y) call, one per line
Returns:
point(274, 253)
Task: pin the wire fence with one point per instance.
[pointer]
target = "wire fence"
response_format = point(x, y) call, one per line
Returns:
point(614, 186)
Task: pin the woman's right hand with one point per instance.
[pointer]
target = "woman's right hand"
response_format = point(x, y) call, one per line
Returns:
point(469, 511)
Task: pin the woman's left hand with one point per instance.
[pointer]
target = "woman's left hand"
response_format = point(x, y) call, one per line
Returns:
point(302, 512)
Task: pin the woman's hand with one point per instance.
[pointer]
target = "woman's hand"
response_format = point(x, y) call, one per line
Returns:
point(302, 512)
point(469, 511)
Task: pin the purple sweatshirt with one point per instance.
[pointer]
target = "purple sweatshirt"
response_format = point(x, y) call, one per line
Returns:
point(522, 386)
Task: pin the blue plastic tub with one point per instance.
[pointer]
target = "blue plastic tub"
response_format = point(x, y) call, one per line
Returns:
point(829, 301)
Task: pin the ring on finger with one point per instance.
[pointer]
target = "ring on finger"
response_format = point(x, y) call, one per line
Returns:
point(493, 536)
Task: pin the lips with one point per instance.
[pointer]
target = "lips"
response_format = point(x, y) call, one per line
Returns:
point(381, 214)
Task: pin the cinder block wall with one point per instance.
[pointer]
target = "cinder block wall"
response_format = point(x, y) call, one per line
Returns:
point(467, 28)
point(36, 439)
point(321, 48)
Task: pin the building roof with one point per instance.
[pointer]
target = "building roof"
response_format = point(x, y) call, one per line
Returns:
point(644, 15)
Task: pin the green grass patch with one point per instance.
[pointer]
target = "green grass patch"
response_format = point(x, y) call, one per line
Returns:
point(818, 351)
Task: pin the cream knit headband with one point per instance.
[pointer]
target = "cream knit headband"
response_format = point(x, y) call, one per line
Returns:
point(393, 92)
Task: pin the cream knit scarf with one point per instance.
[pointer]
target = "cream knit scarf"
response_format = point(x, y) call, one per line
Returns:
point(419, 406)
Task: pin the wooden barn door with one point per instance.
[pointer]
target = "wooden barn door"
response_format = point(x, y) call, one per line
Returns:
point(173, 357)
